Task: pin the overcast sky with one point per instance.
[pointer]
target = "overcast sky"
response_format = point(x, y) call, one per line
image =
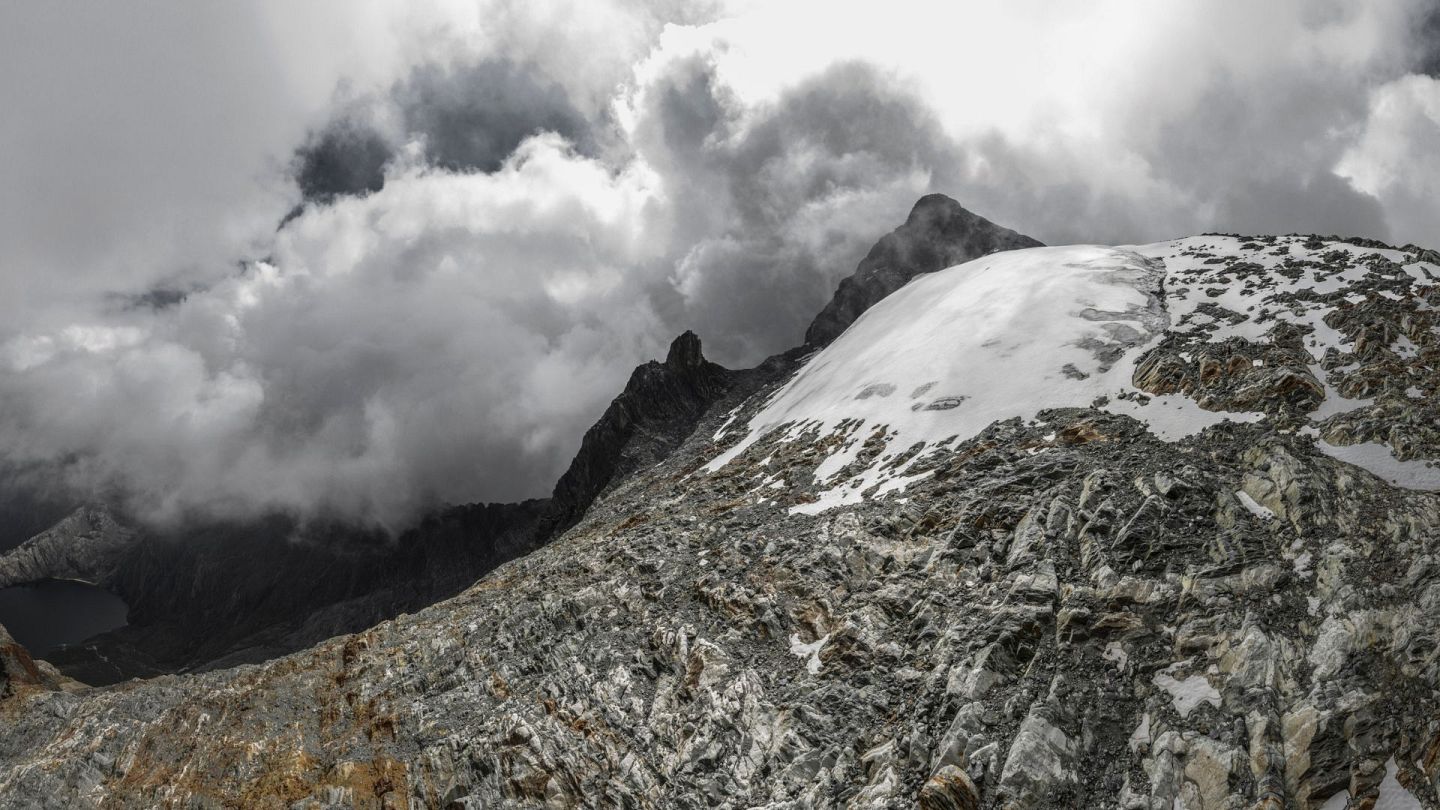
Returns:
point(359, 258)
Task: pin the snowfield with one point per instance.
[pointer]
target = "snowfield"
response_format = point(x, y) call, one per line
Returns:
point(1014, 333)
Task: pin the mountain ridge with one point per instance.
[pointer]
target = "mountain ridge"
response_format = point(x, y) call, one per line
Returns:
point(1181, 578)
point(176, 573)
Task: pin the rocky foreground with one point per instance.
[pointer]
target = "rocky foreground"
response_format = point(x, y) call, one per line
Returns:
point(1202, 589)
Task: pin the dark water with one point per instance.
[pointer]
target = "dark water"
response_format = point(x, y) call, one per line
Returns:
point(48, 614)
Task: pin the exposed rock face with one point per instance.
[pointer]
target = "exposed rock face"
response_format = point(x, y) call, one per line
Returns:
point(224, 594)
point(656, 411)
point(938, 233)
point(87, 545)
point(1080, 606)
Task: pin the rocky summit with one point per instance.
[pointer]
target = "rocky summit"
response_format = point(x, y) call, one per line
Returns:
point(1147, 526)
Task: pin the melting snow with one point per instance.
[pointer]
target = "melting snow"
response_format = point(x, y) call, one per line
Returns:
point(1114, 651)
point(1393, 795)
point(1302, 564)
point(1254, 506)
point(809, 651)
point(1017, 332)
point(1376, 458)
point(1140, 737)
point(729, 418)
point(1186, 693)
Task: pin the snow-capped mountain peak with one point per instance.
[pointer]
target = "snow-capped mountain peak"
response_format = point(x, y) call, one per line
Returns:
point(1015, 333)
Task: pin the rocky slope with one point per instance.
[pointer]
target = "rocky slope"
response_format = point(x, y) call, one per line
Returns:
point(1140, 527)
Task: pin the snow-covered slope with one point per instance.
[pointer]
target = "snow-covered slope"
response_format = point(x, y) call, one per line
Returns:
point(1223, 288)
point(1015, 333)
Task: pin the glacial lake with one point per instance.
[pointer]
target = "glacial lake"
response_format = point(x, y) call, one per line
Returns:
point(48, 614)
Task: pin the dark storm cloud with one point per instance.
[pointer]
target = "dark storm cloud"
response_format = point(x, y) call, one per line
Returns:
point(155, 299)
point(1318, 202)
point(472, 117)
point(347, 157)
point(1261, 156)
point(777, 203)
point(469, 117)
point(1427, 39)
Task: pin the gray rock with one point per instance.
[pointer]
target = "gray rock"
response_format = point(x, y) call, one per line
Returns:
point(1040, 765)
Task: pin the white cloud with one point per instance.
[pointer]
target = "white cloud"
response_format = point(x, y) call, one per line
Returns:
point(441, 338)
point(1397, 158)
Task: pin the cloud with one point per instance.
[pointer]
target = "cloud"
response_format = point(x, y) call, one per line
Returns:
point(101, 191)
point(463, 118)
point(1397, 157)
point(433, 341)
point(772, 203)
point(450, 335)
point(509, 205)
point(1427, 40)
point(345, 158)
point(472, 118)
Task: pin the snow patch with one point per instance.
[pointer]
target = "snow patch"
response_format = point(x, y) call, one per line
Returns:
point(1140, 737)
point(1376, 458)
point(1014, 333)
point(1186, 693)
point(1302, 565)
point(1115, 651)
point(1393, 795)
point(810, 651)
point(1253, 507)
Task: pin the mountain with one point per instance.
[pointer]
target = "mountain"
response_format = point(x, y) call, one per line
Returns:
point(1143, 526)
point(206, 595)
point(939, 233)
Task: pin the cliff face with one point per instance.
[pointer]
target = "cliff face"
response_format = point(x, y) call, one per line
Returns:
point(22, 676)
point(656, 411)
point(1195, 586)
point(89, 544)
point(938, 233)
